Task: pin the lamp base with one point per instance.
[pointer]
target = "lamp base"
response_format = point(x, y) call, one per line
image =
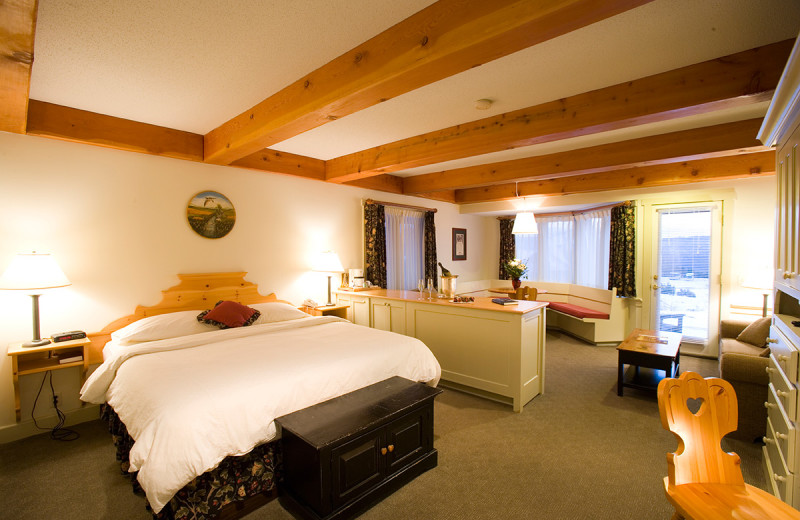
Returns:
point(35, 343)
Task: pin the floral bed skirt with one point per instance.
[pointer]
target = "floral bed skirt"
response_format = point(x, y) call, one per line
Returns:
point(234, 480)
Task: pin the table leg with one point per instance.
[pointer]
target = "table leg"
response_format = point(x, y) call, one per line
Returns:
point(619, 377)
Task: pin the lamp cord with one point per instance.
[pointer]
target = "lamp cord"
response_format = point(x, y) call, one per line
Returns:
point(57, 432)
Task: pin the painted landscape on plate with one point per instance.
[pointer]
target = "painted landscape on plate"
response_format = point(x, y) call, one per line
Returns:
point(211, 214)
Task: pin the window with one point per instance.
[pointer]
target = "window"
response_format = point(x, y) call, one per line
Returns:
point(568, 249)
point(405, 251)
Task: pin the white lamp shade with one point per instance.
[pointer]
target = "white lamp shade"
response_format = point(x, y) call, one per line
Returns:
point(525, 223)
point(33, 271)
point(328, 262)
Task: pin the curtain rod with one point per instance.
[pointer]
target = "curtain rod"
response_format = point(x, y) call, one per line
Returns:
point(598, 208)
point(420, 208)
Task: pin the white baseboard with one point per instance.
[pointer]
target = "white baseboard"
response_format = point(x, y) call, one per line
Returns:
point(27, 428)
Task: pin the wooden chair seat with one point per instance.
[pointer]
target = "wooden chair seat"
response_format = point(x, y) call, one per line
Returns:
point(726, 502)
point(704, 482)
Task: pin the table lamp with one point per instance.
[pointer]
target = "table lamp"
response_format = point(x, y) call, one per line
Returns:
point(33, 272)
point(761, 280)
point(328, 262)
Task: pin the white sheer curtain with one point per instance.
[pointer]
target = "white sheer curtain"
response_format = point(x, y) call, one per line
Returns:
point(592, 239)
point(405, 252)
point(556, 248)
point(526, 247)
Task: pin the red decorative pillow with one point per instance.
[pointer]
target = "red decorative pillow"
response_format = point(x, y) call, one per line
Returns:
point(228, 314)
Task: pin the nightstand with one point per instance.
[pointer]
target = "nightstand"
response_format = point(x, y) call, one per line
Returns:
point(327, 310)
point(31, 360)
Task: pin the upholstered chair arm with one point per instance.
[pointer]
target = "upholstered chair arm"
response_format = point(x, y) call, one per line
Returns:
point(732, 328)
point(745, 368)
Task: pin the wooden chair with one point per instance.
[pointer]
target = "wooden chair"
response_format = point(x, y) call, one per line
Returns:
point(703, 481)
point(526, 293)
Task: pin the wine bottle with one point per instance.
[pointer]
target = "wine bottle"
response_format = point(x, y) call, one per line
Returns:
point(445, 272)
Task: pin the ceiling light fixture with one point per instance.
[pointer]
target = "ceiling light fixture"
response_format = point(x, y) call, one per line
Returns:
point(524, 222)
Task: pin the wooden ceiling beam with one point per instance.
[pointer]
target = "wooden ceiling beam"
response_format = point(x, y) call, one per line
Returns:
point(723, 168)
point(448, 37)
point(273, 161)
point(710, 141)
point(81, 126)
point(735, 80)
point(17, 30)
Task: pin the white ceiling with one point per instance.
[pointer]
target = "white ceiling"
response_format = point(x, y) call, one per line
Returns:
point(194, 64)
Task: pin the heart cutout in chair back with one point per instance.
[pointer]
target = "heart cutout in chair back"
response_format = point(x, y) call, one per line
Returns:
point(694, 405)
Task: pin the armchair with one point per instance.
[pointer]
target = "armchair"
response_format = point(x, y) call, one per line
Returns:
point(744, 365)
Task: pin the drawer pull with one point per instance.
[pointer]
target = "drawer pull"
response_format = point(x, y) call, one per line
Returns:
point(770, 370)
point(767, 440)
point(772, 340)
point(782, 393)
point(391, 448)
point(383, 451)
point(387, 449)
point(779, 478)
point(769, 405)
point(783, 358)
point(781, 436)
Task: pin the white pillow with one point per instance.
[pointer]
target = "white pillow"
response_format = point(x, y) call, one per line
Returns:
point(162, 326)
point(276, 311)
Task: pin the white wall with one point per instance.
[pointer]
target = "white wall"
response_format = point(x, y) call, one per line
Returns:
point(116, 223)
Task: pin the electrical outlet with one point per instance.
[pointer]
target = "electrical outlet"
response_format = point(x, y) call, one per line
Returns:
point(58, 399)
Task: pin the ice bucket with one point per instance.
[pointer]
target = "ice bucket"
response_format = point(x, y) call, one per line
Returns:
point(448, 285)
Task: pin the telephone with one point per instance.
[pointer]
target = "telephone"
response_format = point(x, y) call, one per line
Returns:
point(308, 302)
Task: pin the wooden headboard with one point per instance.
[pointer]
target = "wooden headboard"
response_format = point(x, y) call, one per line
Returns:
point(195, 291)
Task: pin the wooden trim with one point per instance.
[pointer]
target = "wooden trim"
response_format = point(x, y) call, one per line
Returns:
point(736, 80)
point(568, 213)
point(398, 205)
point(18, 27)
point(448, 37)
point(724, 168)
point(699, 143)
point(81, 126)
point(784, 110)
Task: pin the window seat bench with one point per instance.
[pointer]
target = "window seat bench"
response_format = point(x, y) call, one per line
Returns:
point(594, 315)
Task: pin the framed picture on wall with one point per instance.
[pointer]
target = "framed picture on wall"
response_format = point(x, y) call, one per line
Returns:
point(459, 244)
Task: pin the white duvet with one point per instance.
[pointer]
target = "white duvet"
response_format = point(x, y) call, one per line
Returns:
point(189, 402)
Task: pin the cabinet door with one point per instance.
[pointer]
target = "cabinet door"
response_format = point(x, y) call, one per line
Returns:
point(357, 466)
point(360, 310)
point(388, 315)
point(787, 255)
point(408, 438)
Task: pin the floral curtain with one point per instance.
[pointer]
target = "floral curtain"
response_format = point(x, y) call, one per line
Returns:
point(622, 255)
point(375, 244)
point(430, 248)
point(507, 245)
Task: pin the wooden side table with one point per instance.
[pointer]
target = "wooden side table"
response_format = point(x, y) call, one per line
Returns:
point(657, 350)
point(327, 310)
point(31, 360)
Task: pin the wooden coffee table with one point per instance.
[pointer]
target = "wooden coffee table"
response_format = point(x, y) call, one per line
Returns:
point(650, 349)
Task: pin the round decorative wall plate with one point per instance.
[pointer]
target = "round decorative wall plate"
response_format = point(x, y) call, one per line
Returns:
point(211, 214)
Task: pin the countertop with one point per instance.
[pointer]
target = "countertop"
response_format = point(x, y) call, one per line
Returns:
point(481, 302)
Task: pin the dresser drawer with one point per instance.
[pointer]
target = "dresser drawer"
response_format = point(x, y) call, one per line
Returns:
point(785, 353)
point(784, 429)
point(780, 481)
point(784, 389)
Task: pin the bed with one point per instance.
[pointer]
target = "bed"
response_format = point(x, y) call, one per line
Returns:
point(192, 405)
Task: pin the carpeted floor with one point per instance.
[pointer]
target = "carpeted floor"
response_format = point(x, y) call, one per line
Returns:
point(578, 451)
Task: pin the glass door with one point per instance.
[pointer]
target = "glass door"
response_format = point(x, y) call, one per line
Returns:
point(686, 263)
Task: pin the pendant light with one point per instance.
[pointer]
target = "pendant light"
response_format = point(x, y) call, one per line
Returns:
point(524, 222)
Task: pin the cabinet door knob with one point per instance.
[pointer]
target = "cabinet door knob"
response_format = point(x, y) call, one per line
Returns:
point(779, 478)
point(767, 440)
point(391, 448)
point(781, 436)
point(783, 358)
point(769, 370)
point(782, 393)
point(383, 451)
point(769, 405)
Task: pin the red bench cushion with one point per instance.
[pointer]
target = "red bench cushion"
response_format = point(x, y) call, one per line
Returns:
point(577, 310)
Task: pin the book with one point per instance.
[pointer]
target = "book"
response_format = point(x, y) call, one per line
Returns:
point(651, 339)
point(70, 359)
point(504, 301)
